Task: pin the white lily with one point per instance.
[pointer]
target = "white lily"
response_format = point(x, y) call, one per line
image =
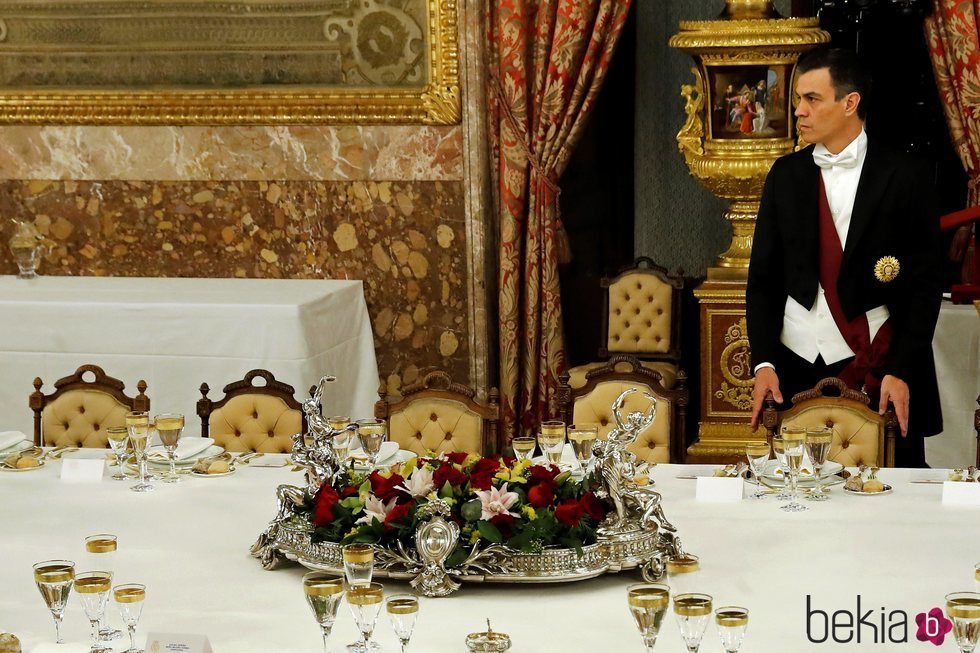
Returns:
point(496, 501)
point(419, 484)
point(375, 508)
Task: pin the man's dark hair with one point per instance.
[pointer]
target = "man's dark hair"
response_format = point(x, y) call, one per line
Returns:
point(847, 73)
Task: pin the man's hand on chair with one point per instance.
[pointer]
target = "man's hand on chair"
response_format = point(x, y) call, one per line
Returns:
point(766, 381)
point(897, 391)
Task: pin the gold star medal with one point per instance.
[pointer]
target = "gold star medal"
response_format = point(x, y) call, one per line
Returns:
point(887, 269)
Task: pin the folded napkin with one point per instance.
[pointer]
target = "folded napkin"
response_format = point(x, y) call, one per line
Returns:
point(10, 438)
point(186, 448)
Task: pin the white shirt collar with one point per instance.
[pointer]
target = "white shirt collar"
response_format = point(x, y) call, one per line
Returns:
point(856, 149)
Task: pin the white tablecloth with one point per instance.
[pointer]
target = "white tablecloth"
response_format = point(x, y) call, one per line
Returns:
point(956, 347)
point(176, 333)
point(189, 545)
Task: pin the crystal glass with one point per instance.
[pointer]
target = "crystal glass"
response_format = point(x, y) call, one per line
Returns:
point(118, 436)
point(100, 554)
point(793, 447)
point(342, 441)
point(523, 447)
point(818, 441)
point(964, 609)
point(25, 245)
point(323, 594)
point(138, 425)
point(92, 587)
point(582, 437)
point(54, 580)
point(757, 454)
point(976, 576)
point(693, 611)
point(551, 439)
point(358, 564)
point(682, 572)
point(648, 604)
point(403, 609)
point(732, 622)
point(169, 427)
point(365, 604)
point(129, 599)
point(780, 453)
point(372, 434)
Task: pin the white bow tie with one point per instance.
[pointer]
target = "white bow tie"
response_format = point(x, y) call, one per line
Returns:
point(826, 160)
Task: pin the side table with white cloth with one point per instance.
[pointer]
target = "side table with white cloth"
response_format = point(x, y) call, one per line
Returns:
point(956, 347)
point(177, 333)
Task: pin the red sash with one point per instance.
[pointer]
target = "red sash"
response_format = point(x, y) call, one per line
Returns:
point(869, 357)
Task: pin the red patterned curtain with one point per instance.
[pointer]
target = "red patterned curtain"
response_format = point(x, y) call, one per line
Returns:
point(547, 60)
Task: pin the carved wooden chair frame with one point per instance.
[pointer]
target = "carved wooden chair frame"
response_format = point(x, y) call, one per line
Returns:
point(439, 385)
point(850, 399)
point(101, 383)
point(678, 396)
point(272, 388)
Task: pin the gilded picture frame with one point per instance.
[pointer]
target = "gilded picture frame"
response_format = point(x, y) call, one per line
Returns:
point(103, 72)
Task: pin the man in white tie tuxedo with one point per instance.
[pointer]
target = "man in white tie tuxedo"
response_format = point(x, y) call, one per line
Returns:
point(845, 277)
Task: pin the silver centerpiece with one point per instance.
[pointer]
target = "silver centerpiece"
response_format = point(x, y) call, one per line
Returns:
point(635, 534)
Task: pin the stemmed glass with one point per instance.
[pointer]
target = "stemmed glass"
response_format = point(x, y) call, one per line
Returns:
point(54, 580)
point(372, 434)
point(818, 441)
point(358, 570)
point(793, 447)
point(779, 451)
point(583, 437)
point(323, 593)
point(551, 439)
point(365, 604)
point(341, 442)
point(976, 576)
point(648, 603)
point(732, 622)
point(682, 572)
point(93, 589)
point(138, 425)
point(100, 552)
point(169, 427)
point(129, 599)
point(523, 447)
point(964, 609)
point(693, 611)
point(403, 609)
point(117, 436)
point(757, 454)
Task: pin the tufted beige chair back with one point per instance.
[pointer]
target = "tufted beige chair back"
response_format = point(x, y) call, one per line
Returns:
point(662, 441)
point(252, 417)
point(437, 415)
point(861, 435)
point(642, 306)
point(82, 407)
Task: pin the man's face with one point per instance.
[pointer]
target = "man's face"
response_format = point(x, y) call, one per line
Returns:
point(819, 115)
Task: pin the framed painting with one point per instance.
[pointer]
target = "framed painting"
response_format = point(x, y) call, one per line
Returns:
point(214, 62)
point(749, 101)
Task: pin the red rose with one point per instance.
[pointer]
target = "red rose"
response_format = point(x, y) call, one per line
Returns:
point(385, 488)
point(503, 522)
point(324, 501)
point(593, 507)
point(481, 481)
point(349, 491)
point(541, 495)
point(456, 457)
point(485, 466)
point(396, 514)
point(447, 472)
point(539, 473)
point(569, 512)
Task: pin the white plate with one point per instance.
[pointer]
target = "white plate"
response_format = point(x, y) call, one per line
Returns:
point(231, 470)
point(22, 469)
point(14, 448)
point(213, 450)
point(805, 480)
point(887, 490)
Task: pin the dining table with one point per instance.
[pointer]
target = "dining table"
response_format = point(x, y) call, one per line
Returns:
point(871, 561)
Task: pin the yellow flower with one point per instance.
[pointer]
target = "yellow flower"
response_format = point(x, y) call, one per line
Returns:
point(529, 513)
point(470, 459)
point(409, 466)
point(475, 537)
point(352, 531)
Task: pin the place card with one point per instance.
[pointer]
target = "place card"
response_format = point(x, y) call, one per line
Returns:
point(177, 643)
point(82, 470)
point(936, 476)
point(719, 489)
point(694, 471)
point(268, 461)
point(958, 493)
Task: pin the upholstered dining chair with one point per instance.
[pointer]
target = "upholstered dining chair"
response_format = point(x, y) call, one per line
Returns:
point(663, 441)
point(81, 408)
point(437, 415)
point(642, 307)
point(861, 435)
point(252, 417)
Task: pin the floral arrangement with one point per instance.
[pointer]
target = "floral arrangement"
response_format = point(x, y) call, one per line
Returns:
point(494, 501)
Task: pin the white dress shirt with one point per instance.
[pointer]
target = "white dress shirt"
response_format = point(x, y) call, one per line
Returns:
point(812, 332)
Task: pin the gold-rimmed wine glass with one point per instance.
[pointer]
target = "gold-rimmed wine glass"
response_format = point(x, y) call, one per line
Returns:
point(365, 604)
point(732, 621)
point(818, 442)
point(403, 610)
point(92, 588)
point(358, 563)
point(757, 453)
point(779, 451)
point(323, 593)
point(55, 579)
point(648, 604)
point(129, 600)
point(372, 434)
point(342, 441)
point(794, 445)
point(551, 439)
point(523, 447)
point(582, 437)
point(693, 611)
point(118, 436)
point(963, 608)
point(138, 425)
point(682, 572)
point(100, 555)
point(976, 576)
point(169, 428)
